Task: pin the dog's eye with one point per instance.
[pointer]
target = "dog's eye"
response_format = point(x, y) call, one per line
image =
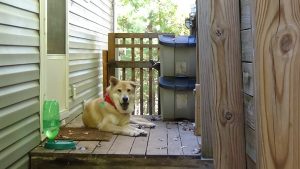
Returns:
point(128, 90)
point(119, 90)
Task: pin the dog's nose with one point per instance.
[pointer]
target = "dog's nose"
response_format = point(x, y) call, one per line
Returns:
point(125, 99)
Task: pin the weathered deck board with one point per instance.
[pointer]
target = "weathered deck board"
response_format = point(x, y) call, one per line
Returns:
point(103, 162)
point(166, 139)
point(85, 147)
point(140, 145)
point(174, 141)
point(157, 144)
point(122, 145)
point(104, 146)
point(189, 140)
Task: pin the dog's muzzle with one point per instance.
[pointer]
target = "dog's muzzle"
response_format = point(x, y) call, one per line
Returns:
point(125, 103)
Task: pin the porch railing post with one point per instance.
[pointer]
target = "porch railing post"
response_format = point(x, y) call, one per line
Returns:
point(105, 69)
point(111, 54)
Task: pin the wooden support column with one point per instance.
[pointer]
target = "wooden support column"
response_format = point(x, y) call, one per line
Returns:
point(104, 68)
point(221, 81)
point(227, 102)
point(277, 83)
point(111, 54)
point(205, 81)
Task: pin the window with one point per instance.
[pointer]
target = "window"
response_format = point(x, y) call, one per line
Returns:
point(56, 26)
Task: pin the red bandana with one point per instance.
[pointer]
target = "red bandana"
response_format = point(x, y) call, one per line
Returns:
point(108, 100)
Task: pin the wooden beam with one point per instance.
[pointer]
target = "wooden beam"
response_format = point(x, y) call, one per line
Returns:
point(227, 104)
point(136, 45)
point(141, 79)
point(139, 35)
point(105, 73)
point(111, 54)
point(205, 68)
point(197, 110)
point(277, 79)
point(129, 64)
point(197, 87)
point(221, 77)
point(151, 101)
point(132, 60)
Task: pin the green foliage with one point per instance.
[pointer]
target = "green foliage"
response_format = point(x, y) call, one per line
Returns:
point(140, 16)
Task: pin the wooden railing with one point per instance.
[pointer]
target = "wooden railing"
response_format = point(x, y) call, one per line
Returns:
point(129, 57)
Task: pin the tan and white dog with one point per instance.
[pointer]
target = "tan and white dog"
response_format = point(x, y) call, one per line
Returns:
point(113, 114)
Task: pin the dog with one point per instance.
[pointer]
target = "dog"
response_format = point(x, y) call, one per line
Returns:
point(113, 113)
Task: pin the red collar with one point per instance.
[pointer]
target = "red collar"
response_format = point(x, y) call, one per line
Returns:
point(108, 100)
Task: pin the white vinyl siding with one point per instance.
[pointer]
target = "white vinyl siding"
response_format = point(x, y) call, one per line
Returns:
point(89, 25)
point(19, 81)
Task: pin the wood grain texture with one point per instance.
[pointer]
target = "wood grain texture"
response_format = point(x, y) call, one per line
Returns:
point(277, 60)
point(226, 87)
point(205, 59)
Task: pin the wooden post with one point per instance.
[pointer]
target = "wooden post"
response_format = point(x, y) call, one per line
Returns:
point(197, 87)
point(111, 54)
point(277, 79)
point(205, 68)
point(197, 110)
point(104, 68)
point(141, 78)
point(221, 81)
point(227, 102)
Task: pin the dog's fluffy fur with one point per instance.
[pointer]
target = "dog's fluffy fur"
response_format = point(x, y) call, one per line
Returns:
point(107, 117)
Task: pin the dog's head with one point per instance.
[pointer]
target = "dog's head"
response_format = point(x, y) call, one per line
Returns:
point(122, 94)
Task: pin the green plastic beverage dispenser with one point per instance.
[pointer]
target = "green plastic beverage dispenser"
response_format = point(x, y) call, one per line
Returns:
point(51, 125)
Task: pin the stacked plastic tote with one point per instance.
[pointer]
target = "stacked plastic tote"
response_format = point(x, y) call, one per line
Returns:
point(177, 80)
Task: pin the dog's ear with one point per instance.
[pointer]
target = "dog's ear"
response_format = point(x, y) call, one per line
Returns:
point(113, 81)
point(134, 84)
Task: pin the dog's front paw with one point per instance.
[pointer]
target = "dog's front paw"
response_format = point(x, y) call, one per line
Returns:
point(133, 133)
point(150, 125)
point(142, 132)
point(137, 132)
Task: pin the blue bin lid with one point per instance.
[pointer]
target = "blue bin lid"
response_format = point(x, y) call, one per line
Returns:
point(177, 83)
point(179, 41)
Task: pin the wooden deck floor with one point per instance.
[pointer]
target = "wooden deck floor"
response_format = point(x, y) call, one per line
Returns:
point(167, 140)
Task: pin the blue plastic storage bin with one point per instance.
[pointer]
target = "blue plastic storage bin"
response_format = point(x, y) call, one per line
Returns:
point(176, 98)
point(177, 55)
